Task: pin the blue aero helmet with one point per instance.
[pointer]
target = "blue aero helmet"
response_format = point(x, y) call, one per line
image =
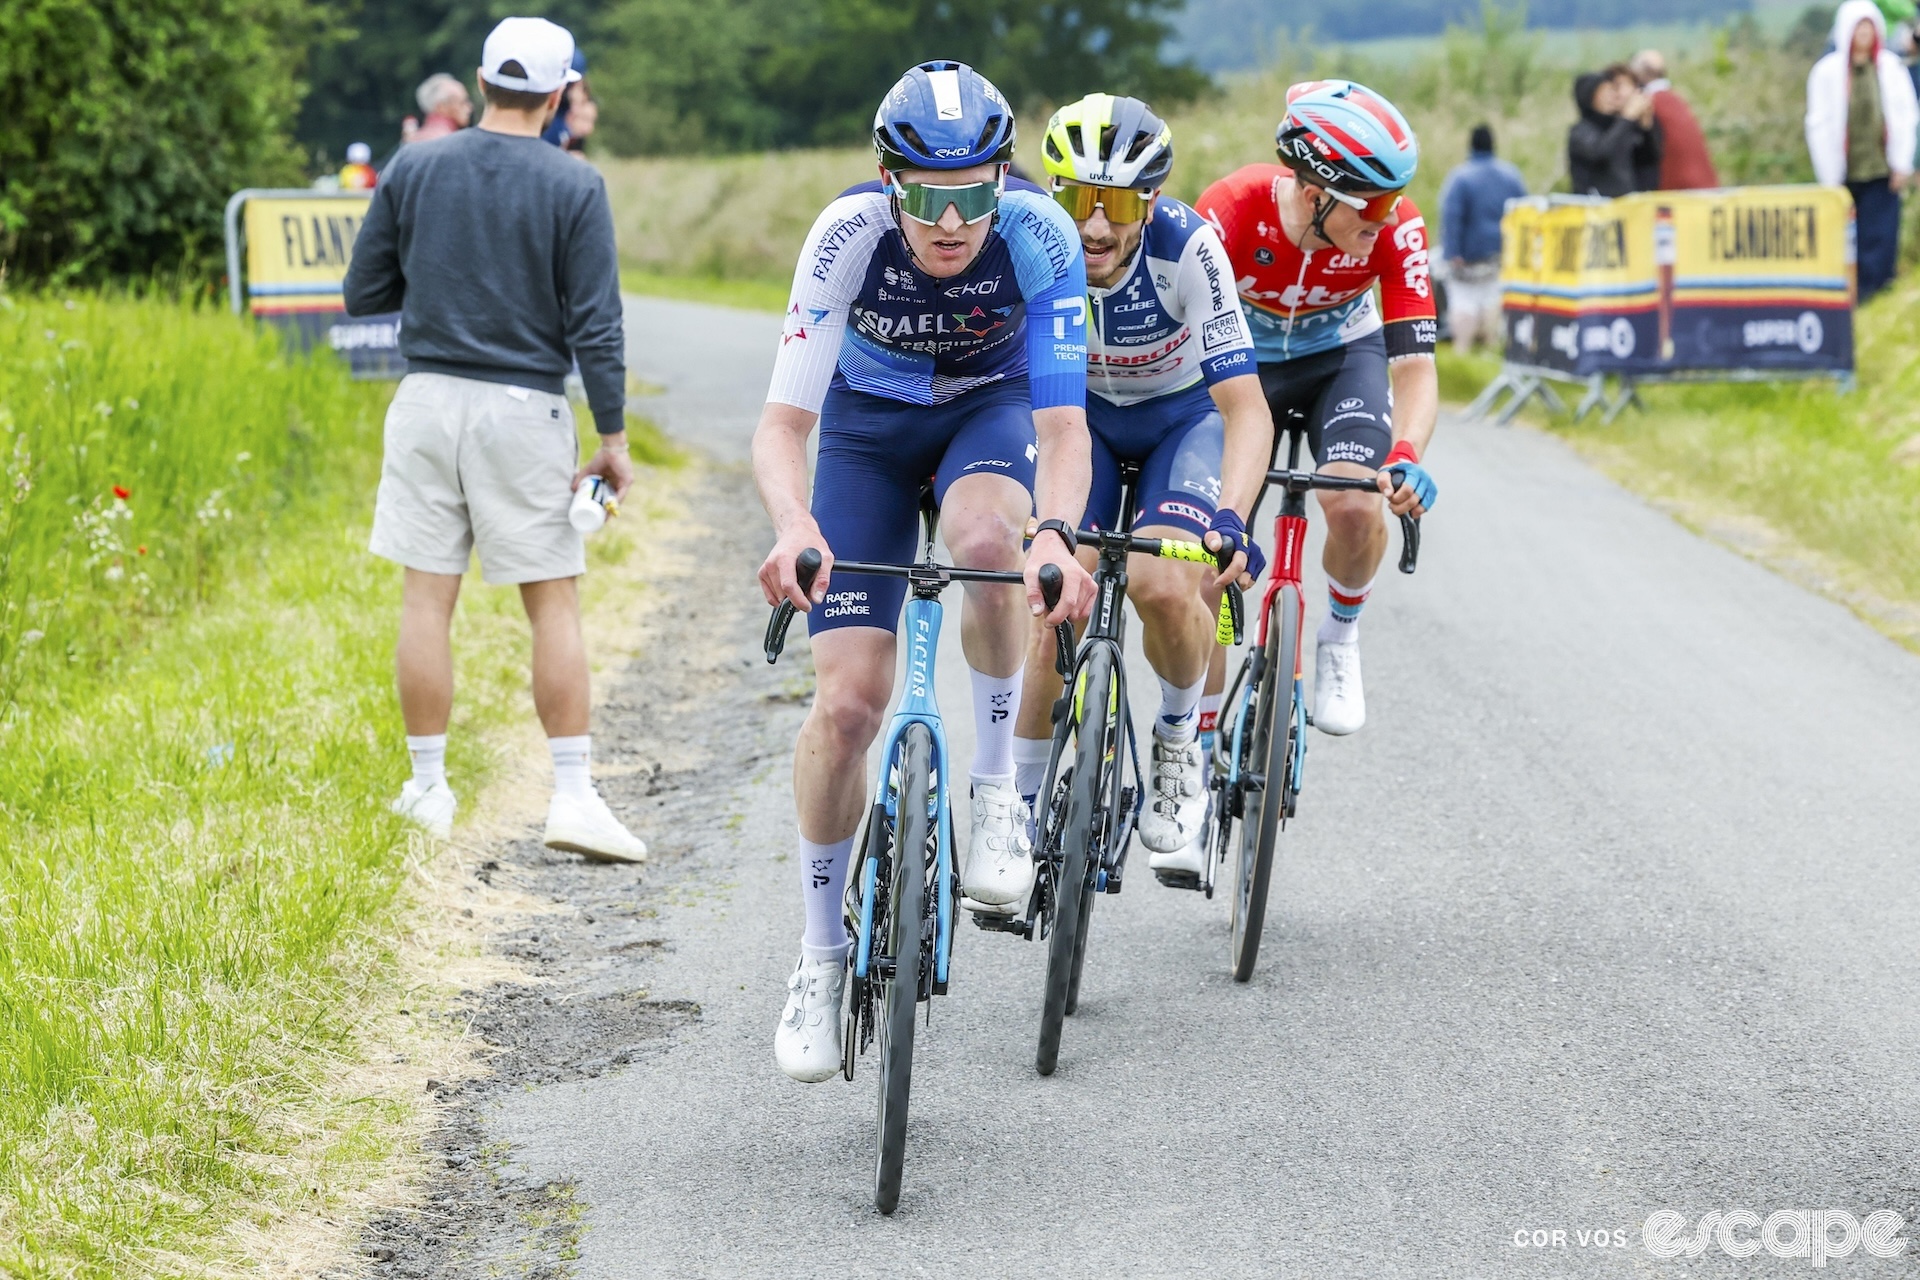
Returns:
point(942, 115)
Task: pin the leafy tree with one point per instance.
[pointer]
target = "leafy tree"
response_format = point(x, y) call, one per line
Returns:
point(130, 122)
point(363, 85)
point(687, 75)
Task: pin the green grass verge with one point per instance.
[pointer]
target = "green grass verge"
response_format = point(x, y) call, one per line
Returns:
point(198, 875)
point(748, 295)
point(1839, 474)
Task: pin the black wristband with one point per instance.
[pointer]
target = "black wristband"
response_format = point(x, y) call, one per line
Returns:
point(1068, 534)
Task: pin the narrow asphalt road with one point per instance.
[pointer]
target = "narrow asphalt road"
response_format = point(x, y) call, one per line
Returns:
point(1611, 909)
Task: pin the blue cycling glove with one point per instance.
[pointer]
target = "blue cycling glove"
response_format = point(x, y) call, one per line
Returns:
point(1233, 537)
point(1402, 460)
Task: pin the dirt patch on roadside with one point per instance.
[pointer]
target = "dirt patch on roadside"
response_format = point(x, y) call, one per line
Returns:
point(690, 721)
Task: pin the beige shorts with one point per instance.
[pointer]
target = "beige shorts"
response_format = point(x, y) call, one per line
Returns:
point(478, 466)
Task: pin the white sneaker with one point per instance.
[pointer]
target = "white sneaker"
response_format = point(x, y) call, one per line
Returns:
point(1000, 859)
point(430, 806)
point(1339, 703)
point(584, 825)
point(1190, 859)
point(1177, 804)
point(807, 1045)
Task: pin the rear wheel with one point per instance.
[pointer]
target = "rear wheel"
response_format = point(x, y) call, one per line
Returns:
point(900, 992)
point(1271, 742)
point(1073, 890)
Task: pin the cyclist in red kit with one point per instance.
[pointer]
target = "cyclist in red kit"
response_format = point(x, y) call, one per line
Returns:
point(1308, 241)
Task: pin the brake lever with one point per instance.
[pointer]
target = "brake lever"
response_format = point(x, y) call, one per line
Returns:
point(806, 566)
point(1409, 528)
point(1231, 627)
point(1051, 582)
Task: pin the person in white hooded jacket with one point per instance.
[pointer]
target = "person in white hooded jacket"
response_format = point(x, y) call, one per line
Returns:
point(1861, 118)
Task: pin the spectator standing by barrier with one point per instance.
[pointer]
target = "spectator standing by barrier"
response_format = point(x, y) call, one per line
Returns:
point(573, 122)
point(1476, 197)
point(498, 251)
point(1685, 164)
point(444, 105)
point(1612, 149)
point(1861, 117)
point(357, 174)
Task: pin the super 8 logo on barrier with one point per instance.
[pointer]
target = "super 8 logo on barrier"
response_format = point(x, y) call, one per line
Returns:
point(298, 248)
point(1749, 278)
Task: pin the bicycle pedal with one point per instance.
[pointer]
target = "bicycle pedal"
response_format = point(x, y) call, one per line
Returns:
point(1175, 879)
point(988, 910)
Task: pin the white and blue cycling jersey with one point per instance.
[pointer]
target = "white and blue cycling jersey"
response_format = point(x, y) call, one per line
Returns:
point(1175, 319)
point(862, 317)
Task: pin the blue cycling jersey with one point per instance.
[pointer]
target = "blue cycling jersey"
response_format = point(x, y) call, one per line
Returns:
point(862, 317)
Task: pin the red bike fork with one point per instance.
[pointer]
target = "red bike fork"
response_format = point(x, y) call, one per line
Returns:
point(1290, 543)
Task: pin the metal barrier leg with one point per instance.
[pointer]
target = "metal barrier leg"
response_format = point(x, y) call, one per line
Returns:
point(1525, 387)
point(1628, 395)
point(1595, 397)
point(1484, 402)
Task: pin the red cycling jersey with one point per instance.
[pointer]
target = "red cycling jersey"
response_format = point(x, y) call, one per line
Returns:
point(1301, 304)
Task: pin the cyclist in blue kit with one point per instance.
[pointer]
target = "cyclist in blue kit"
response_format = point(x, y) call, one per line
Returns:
point(936, 332)
point(1173, 387)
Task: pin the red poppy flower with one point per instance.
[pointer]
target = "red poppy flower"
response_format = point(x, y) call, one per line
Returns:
point(122, 493)
point(143, 550)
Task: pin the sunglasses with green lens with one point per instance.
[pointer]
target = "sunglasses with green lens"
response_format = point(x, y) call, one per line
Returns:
point(926, 203)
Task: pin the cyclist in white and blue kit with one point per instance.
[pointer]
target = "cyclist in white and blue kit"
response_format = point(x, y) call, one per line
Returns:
point(1174, 388)
point(936, 333)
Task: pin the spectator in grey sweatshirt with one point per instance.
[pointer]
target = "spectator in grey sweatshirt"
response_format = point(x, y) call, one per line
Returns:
point(497, 250)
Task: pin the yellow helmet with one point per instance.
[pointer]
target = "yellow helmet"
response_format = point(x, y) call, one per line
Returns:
point(1106, 141)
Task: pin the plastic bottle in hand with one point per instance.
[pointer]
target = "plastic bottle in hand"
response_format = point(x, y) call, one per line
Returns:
point(593, 502)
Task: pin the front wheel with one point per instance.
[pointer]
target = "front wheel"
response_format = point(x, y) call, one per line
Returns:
point(1271, 742)
point(1073, 888)
point(900, 991)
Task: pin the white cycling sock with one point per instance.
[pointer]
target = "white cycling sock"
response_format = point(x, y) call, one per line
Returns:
point(823, 878)
point(1030, 764)
point(572, 765)
point(1209, 717)
point(996, 700)
point(429, 752)
point(1179, 717)
point(1344, 603)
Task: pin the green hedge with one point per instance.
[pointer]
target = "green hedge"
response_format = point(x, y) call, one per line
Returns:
point(128, 123)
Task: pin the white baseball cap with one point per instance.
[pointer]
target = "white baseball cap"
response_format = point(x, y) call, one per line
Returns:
point(542, 50)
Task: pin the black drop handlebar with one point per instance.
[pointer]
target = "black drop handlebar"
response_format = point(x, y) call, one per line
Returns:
point(1300, 481)
point(806, 567)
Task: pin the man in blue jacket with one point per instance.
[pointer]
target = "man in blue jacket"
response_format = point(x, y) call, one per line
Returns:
point(1474, 197)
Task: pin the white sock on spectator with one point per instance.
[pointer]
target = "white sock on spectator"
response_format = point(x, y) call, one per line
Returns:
point(429, 752)
point(572, 765)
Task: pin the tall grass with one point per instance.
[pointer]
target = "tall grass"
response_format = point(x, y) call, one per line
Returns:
point(197, 866)
point(145, 443)
point(1839, 473)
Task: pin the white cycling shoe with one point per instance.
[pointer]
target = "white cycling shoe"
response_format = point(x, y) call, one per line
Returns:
point(1339, 702)
point(1177, 807)
point(430, 806)
point(1000, 859)
point(584, 825)
point(1189, 860)
point(807, 1044)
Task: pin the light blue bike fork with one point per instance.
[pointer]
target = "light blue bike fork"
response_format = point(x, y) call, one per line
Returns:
point(917, 706)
